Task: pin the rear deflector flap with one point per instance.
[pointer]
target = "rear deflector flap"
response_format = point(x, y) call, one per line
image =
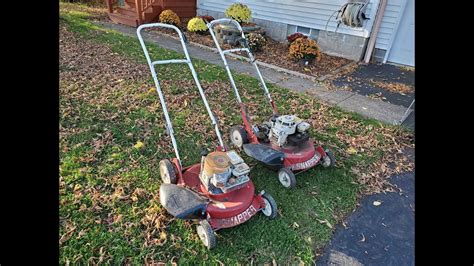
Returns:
point(264, 154)
point(181, 202)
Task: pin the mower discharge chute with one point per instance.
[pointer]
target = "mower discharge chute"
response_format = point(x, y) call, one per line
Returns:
point(283, 142)
point(217, 191)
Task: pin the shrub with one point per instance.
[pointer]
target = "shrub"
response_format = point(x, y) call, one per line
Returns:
point(239, 12)
point(207, 18)
point(169, 17)
point(256, 41)
point(291, 38)
point(197, 25)
point(305, 48)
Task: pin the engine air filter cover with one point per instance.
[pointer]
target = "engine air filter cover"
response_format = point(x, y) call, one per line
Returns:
point(216, 163)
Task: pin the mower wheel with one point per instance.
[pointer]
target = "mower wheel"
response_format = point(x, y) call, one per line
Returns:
point(238, 136)
point(167, 172)
point(287, 178)
point(328, 160)
point(271, 209)
point(206, 234)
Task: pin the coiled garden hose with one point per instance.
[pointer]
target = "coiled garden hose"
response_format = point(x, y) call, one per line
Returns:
point(350, 14)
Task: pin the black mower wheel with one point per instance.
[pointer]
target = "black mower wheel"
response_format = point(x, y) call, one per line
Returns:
point(206, 234)
point(329, 160)
point(167, 172)
point(287, 178)
point(271, 208)
point(238, 136)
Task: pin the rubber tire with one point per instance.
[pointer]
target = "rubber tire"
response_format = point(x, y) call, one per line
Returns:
point(273, 205)
point(209, 234)
point(290, 175)
point(331, 158)
point(167, 172)
point(242, 133)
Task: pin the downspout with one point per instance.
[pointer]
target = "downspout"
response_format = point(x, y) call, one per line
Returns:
point(375, 30)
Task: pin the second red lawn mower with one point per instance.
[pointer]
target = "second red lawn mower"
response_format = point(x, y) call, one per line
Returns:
point(282, 143)
point(217, 191)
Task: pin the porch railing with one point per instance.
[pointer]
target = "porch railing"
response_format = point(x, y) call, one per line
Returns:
point(140, 7)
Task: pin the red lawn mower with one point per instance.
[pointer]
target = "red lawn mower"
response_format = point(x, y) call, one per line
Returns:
point(217, 191)
point(283, 142)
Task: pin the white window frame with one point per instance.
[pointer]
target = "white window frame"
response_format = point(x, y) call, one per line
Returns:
point(306, 34)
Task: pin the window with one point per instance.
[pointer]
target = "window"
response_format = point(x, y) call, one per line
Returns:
point(312, 33)
point(304, 30)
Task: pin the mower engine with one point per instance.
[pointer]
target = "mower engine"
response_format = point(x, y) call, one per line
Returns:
point(223, 172)
point(288, 129)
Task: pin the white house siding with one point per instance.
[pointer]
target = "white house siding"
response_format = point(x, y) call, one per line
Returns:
point(390, 20)
point(311, 13)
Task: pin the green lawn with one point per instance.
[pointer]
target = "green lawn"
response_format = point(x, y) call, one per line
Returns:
point(109, 202)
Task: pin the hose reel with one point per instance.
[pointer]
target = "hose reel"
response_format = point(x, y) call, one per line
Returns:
point(351, 14)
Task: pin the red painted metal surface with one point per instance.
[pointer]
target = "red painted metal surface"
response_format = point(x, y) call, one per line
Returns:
point(247, 125)
point(300, 157)
point(321, 151)
point(256, 205)
point(275, 110)
point(295, 154)
point(178, 169)
point(191, 177)
point(229, 204)
point(226, 209)
point(224, 205)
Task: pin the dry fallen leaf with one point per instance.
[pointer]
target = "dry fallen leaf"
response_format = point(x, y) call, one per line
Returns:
point(162, 235)
point(117, 218)
point(351, 150)
point(67, 235)
point(377, 203)
point(77, 187)
point(139, 145)
point(344, 224)
point(325, 222)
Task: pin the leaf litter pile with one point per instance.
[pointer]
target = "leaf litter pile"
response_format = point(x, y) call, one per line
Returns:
point(347, 74)
point(394, 87)
point(112, 137)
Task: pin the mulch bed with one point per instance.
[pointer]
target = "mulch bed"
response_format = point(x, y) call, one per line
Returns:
point(275, 53)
